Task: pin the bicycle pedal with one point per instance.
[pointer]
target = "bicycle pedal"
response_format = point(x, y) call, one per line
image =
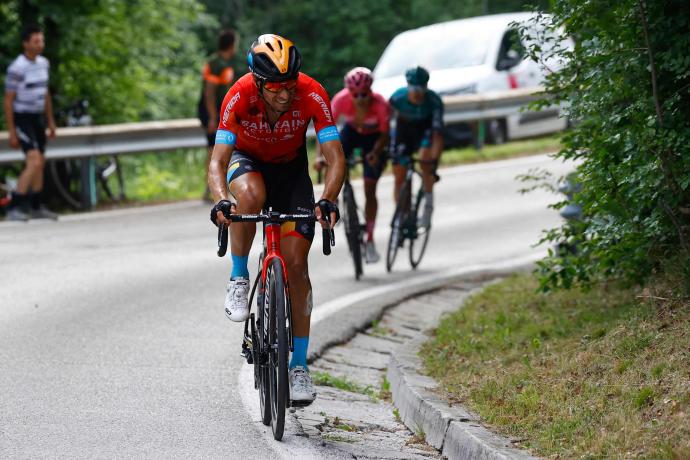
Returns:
point(300, 404)
point(247, 354)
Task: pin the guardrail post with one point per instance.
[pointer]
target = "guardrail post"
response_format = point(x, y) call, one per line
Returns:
point(88, 183)
point(479, 134)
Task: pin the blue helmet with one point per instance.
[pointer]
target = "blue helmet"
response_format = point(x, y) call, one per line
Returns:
point(417, 76)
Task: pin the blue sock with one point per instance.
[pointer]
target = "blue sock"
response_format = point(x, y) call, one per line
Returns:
point(239, 266)
point(299, 356)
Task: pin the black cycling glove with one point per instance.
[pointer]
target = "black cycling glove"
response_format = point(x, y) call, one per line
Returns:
point(223, 206)
point(327, 207)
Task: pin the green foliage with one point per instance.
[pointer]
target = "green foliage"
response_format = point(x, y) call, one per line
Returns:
point(333, 39)
point(627, 89)
point(160, 176)
point(132, 61)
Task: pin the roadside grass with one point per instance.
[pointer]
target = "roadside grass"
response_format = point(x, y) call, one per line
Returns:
point(604, 373)
point(500, 152)
point(168, 176)
point(342, 383)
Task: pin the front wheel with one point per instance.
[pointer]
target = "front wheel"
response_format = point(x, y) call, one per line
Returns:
point(278, 353)
point(398, 225)
point(421, 235)
point(261, 361)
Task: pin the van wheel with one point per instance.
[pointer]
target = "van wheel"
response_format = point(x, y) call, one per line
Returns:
point(496, 132)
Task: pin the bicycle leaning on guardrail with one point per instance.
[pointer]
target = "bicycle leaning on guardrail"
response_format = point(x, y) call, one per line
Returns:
point(404, 225)
point(268, 336)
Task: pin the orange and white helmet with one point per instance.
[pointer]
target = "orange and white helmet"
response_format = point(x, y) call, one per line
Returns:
point(274, 58)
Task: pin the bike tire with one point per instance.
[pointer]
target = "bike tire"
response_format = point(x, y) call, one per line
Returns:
point(262, 361)
point(421, 234)
point(278, 355)
point(397, 226)
point(352, 229)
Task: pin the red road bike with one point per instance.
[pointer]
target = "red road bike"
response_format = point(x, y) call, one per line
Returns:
point(268, 334)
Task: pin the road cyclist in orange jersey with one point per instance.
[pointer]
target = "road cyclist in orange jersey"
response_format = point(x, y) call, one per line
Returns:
point(260, 159)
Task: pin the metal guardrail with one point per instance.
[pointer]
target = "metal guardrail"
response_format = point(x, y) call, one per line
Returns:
point(151, 136)
point(88, 142)
point(488, 106)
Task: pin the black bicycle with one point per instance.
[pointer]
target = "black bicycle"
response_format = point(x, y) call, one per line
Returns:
point(405, 223)
point(267, 337)
point(355, 230)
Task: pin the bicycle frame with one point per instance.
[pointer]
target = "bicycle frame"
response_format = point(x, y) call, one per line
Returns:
point(272, 251)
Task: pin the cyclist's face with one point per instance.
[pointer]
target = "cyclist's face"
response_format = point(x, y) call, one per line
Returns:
point(280, 95)
point(361, 99)
point(415, 94)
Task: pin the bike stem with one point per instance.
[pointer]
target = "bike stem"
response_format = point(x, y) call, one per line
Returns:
point(272, 235)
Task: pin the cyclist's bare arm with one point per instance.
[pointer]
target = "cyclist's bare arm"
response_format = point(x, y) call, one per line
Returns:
point(380, 144)
point(319, 160)
point(332, 152)
point(217, 169)
point(436, 144)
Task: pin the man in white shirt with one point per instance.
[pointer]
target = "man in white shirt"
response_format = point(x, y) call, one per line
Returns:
point(28, 106)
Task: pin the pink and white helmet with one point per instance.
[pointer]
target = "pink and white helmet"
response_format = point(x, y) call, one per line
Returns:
point(359, 79)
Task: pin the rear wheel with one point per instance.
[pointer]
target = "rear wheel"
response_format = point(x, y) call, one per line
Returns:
point(398, 225)
point(421, 235)
point(352, 228)
point(278, 353)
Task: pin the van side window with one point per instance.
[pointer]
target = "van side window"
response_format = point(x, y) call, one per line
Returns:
point(511, 52)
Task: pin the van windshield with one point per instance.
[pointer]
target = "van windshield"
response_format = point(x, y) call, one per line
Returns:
point(435, 48)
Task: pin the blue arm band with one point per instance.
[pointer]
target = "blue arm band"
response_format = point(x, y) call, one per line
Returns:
point(225, 137)
point(329, 133)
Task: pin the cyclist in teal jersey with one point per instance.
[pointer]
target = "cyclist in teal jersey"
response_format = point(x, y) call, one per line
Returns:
point(418, 121)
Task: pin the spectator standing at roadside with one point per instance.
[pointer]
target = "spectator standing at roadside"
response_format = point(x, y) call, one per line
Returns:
point(219, 73)
point(28, 106)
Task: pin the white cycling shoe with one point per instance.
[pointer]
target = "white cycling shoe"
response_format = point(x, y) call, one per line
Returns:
point(301, 386)
point(425, 219)
point(237, 299)
point(372, 255)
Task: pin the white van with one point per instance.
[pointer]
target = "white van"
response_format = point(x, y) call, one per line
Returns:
point(471, 56)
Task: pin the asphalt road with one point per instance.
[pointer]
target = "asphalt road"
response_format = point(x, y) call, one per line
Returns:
point(113, 342)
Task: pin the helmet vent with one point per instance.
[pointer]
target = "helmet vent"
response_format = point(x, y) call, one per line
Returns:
point(270, 46)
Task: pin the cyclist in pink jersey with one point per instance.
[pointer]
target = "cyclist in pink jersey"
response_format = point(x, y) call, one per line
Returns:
point(366, 116)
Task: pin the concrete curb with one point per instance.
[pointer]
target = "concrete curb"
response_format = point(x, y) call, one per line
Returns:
point(452, 430)
point(357, 312)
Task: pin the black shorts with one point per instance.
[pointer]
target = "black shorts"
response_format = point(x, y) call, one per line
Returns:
point(288, 188)
point(31, 131)
point(351, 139)
point(409, 137)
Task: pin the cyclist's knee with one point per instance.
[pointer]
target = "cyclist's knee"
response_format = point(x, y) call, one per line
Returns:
point(250, 195)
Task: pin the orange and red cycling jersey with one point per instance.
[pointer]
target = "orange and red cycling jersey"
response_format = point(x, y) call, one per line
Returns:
point(375, 120)
point(243, 123)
